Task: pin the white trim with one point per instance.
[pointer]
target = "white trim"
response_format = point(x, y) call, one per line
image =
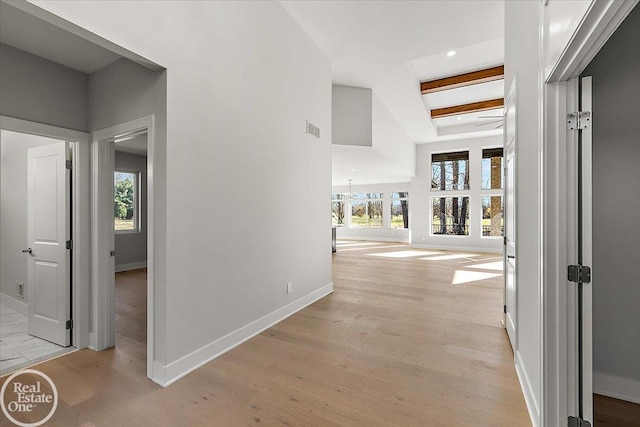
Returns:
point(103, 234)
point(373, 238)
point(616, 387)
point(181, 367)
point(458, 248)
point(80, 190)
point(16, 304)
point(130, 266)
point(529, 395)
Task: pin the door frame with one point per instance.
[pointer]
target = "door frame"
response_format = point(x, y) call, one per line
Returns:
point(80, 218)
point(102, 231)
point(560, 189)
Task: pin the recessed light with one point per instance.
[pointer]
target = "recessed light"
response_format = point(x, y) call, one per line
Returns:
point(451, 53)
point(353, 170)
point(459, 118)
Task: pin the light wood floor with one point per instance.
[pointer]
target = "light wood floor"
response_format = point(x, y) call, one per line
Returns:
point(396, 344)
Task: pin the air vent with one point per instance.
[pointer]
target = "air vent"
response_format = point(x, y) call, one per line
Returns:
point(313, 130)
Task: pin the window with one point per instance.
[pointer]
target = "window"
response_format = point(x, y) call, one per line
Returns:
point(400, 210)
point(492, 218)
point(450, 216)
point(450, 171)
point(337, 210)
point(125, 192)
point(492, 169)
point(366, 210)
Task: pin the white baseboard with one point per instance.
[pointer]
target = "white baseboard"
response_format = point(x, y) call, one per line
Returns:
point(457, 248)
point(16, 304)
point(527, 390)
point(130, 266)
point(616, 387)
point(373, 239)
point(166, 375)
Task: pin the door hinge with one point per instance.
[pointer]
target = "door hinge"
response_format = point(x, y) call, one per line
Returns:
point(506, 171)
point(504, 239)
point(69, 164)
point(112, 253)
point(69, 244)
point(578, 422)
point(579, 120)
point(579, 273)
point(69, 324)
point(504, 309)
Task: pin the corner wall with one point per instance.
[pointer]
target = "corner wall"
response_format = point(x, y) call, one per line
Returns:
point(522, 48)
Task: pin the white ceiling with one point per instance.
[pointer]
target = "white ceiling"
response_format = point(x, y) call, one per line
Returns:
point(136, 145)
point(26, 32)
point(390, 46)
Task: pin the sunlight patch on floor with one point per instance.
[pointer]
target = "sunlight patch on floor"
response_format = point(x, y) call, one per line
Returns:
point(463, 276)
point(449, 257)
point(498, 266)
point(403, 254)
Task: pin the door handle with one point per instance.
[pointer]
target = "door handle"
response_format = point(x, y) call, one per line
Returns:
point(27, 251)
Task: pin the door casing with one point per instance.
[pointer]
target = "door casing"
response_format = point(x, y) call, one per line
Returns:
point(103, 264)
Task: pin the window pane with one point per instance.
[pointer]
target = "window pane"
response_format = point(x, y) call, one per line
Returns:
point(450, 216)
point(337, 196)
point(399, 213)
point(337, 213)
point(366, 213)
point(492, 216)
point(492, 169)
point(400, 195)
point(450, 171)
point(124, 193)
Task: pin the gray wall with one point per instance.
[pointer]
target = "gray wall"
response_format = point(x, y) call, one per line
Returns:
point(351, 115)
point(13, 207)
point(131, 248)
point(616, 203)
point(33, 88)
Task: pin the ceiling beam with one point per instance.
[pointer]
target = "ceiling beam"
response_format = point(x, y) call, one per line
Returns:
point(462, 80)
point(467, 108)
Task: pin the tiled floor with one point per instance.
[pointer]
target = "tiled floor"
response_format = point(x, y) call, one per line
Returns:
point(18, 349)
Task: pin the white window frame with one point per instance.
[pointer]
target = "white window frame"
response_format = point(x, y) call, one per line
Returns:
point(344, 200)
point(366, 200)
point(446, 194)
point(136, 201)
point(397, 199)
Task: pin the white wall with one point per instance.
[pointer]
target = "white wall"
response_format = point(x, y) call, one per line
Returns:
point(131, 248)
point(616, 212)
point(13, 208)
point(35, 89)
point(242, 79)
point(522, 59)
point(351, 116)
point(390, 140)
point(421, 194)
point(385, 233)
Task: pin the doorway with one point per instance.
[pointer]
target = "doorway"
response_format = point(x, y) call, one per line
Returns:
point(123, 238)
point(36, 298)
point(611, 231)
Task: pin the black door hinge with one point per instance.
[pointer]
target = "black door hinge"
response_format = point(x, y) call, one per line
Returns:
point(579, 273)
point(69, 324)
point(504, 309)
point(578, 422)
point(68, 164)
point(69, 244)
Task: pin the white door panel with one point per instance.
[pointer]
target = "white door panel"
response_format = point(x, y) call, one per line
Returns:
point(510, 289)
point(48, 214)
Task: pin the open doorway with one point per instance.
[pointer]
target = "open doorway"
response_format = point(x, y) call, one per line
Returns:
point(130, 238)
point(35, 240)
point(611, 235)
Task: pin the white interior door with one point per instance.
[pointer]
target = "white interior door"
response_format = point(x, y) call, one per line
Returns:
point(510, 318)
point(48, 219)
